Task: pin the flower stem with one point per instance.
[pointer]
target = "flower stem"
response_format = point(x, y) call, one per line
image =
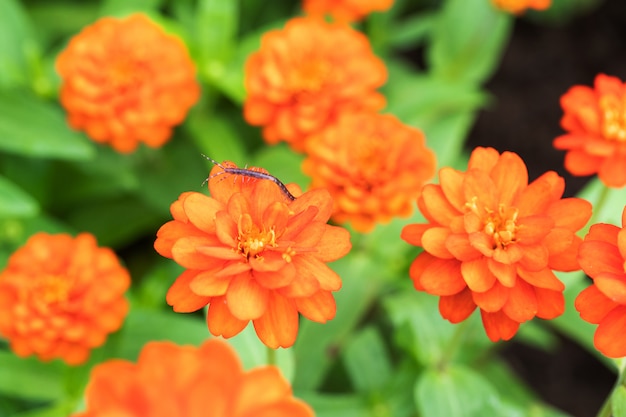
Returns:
point(271, 356)
point(455, 343)
point(597, 207)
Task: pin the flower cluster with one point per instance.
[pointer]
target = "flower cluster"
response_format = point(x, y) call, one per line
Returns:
point(125, 81)
point(595, 121)
point(345, 10)
point(520, 6)
point(374, 175)
point(299, 82)
point(170, 380)
point(603, 258)
point(61, 296)
point(492, 241)
point(251, 253)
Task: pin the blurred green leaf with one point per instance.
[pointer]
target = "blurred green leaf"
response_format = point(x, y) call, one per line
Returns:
point(618, 401)
point(14, 202)
point(327, 405)
point(30, 378)
point(455, 391)
point(216, 27)
point(32, 127)
point(468, 46)
point(17, 45)
point(412, 32)
point(61, 409)
point(122, 7)
point(215, 137)
point(367, 360)
point(283, 163)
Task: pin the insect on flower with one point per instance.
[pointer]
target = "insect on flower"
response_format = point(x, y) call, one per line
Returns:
point(253, 172)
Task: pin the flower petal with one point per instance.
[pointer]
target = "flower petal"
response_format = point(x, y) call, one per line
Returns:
point(477, 275)
point(493, 299)
point(319, 307)
point(442, 277)
point(278, 326)
point(499, 326)
point(521, 305)
point(221, 321)
point(182, 298)
point(544, 278)
point(612, 285)
point(593, 305)
point(457, 307)
point(246, 299)
point(609, 337)
point(550, 304)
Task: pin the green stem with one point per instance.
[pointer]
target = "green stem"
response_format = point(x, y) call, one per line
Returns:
point(456, 341)
point(607, 408)
point(271, 356)
point(597, 207)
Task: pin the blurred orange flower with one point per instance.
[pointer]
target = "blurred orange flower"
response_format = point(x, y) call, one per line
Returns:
point(300, 81)
point(595, 119)
point(492, 241)
point(345, 10)
point(603, 257)
point(520, 6)
point(170, 380)
point(251, 253)
point(126, 81)
point(373, 165)
point(61, 296)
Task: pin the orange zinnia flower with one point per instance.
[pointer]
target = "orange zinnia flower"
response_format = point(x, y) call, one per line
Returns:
point(170, 380)
point(603, 257)
point(373, 165)
point(519, 6)
point(345, 10)
point(251, 253)
point(125, 81)
point(595, 119)
point(300, 81)
point(61, 296)
point(492, 241)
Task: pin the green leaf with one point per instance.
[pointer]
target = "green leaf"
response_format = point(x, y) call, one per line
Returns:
point(367, 360)
point(412, 32)
point(32, 127)
point(216, 27)
point(618, 401)
point(30, 378)
point(455, 391)
point(61, 409)
point(121, 7)
point(14, 202)
point(468, 40)
point(283, 163)
point(17, 45)
point(215, 137)
point(335, 405)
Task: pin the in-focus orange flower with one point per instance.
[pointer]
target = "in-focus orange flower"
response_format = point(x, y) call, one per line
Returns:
point(126, 81)
point(595, 119)
point(170, 380)
point(61, 296)
point(520, 6)
point(373, 165)
point(492, 241)
point(300, 80)
point(251, 253)
point(603, 257)
point(345, 10)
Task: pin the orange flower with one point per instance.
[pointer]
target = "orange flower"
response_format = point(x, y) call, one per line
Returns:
point(253, 254)
point(61, 296)
point(126, 81)
point(170, 380)
point(603, 257)
point(595, 119)
point(345, 10)
point(373, 165)
point(300, 81)
point(520, 6)
point(492, 241)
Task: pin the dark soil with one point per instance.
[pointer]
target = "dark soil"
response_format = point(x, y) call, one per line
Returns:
point(540, 64)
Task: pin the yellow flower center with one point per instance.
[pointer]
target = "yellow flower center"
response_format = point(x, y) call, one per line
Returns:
point(251, 240)
point(614, 117)
point(501, 225)
point(52, 289)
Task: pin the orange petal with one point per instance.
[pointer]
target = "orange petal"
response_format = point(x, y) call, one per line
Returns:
point(275, 279)
point(459, 246)
point(261, 387)
point(596, 257)
point(602, 232)
point(246, 299)
point(335, 244)
point(435, 206)
point(207, 284)
point(278, 327)
point(457, 307)
point(580, 163)
point(544, 278)
point(499, 326)
point(612, 285)
point(570, 213)
point(609, 337)
point(182, 298)
point(493, 299)
point(221, 321)
point(226, 229)
point(551, 304)
point(319, 198)
point(201, 210)
point(539, 194)
point(304, 286)
point(532, 229)
point(442, 277)
point(505, 273)
point(419, 264)
point(412, 233)
point(478, 185)
point(320, 307)
point(522, 303)
point(308, 265)
point(621, 238)
point(612, 171)
point(290, 407)
point(170, 232)
point(451, 182)
point(510, 176)
point(477, 275)
point(566, 260)
point(185, 253)
point(593, 305)
point(483, 158)
point(534, 258)
point(434, 242)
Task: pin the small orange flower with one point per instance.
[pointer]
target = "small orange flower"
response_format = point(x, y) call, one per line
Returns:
point(345, 10)
point(492, 241)
point(300, 80)
point(61, 296)
point(170, 380)
point(251, 253)
point(595, 119)
point(603, 257)
point(520, 6)
point(373, 165)
point(126, 81)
